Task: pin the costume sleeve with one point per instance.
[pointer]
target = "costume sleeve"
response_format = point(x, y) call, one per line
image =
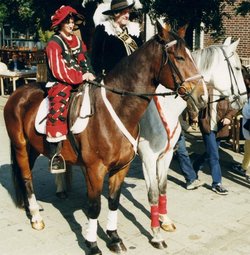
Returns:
point(58, 66)
point(84, 60)
point(97, 49)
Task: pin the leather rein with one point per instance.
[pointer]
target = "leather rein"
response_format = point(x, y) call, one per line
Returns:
point(175, 72)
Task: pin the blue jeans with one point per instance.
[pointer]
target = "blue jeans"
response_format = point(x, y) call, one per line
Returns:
point(211, 156)
point(184, 160)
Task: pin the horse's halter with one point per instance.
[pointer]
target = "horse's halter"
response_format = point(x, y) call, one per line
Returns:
point(235, 97)
point(180, 89)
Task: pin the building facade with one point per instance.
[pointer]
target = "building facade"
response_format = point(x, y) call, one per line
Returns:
point(236, 27)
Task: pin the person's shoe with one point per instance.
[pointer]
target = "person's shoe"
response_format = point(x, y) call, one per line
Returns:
point(219, 189)
point(57, 164)
point(238, 169)
point(194, 184)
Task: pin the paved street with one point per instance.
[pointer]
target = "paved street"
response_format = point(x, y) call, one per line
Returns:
point(206, 223)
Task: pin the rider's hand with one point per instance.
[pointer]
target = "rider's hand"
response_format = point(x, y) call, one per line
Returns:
point(88, 77)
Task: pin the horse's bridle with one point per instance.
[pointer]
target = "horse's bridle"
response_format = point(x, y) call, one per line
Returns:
point(236, 98)
point(180, 88)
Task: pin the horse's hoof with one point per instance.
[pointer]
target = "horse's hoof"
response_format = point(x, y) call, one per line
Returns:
point(118, 247)
point(38, 225)
point(159, 245)
point(168, 227)
point(62, 195)
point(116, 244)
point(93, 248)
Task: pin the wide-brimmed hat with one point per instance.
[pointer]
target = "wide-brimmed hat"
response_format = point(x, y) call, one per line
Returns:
point(62, 13)
point(118, 6)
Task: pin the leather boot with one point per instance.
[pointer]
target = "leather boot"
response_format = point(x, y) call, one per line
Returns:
point(57, 163)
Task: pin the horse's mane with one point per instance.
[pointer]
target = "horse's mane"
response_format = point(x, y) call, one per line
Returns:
point(207, 57)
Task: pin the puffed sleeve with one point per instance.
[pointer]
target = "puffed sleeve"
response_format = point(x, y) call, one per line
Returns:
point(58, 66)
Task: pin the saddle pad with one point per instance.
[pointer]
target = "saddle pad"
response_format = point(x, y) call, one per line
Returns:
point(80, 123)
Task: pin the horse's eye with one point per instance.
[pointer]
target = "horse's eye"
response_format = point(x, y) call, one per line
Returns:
point(179, 58)
point(237, 68)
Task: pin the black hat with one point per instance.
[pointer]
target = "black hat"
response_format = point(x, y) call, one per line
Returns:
point(117, 6)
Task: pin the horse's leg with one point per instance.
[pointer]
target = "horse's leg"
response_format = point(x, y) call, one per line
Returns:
point(162, 168)
point(63, 181)
point(115, 184)
point(23, 160)
point(151, 178)
point(94, 180)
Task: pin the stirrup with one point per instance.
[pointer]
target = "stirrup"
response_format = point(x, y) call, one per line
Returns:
point(57, 164)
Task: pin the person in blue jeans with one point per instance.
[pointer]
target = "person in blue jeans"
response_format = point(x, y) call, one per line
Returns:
point(211, 156)
point(214, 122)
point(192, 181)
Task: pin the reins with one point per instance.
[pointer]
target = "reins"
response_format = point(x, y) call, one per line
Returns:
point(146, 96)
point(130, 93)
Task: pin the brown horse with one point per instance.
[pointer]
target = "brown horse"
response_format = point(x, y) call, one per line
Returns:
point(103, 147)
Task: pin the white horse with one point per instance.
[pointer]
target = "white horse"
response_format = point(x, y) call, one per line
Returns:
point(160, 129)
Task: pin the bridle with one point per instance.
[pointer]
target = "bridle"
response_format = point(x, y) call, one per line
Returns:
point(180, 87)
point(234, 97)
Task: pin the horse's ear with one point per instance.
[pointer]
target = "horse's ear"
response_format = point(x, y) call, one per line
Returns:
point(234, 45)
point(162, 30)
point(227, 41)
point(182, 31)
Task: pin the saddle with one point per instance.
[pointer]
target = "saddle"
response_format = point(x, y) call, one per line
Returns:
point(80, 109)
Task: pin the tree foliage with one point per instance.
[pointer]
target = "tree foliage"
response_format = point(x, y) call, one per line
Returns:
point(244, 8)
point(34, 15)
point(17, 13)
point(192, 12)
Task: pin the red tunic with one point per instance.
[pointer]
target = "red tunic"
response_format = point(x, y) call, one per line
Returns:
point(66, 62)
point(57, 64)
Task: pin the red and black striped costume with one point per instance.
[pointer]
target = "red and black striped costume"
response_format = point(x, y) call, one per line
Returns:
point(67, 63)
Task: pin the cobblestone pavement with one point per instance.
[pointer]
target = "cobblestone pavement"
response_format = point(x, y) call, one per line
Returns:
point(206, 223)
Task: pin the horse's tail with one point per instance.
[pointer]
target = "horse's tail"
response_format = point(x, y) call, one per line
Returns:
point(19, 186)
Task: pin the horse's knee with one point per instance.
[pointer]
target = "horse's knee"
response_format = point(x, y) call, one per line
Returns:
point(94, 209)
point(113, 203)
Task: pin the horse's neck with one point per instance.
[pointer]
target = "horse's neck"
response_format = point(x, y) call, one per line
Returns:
point(133, 74)
point(170, 109)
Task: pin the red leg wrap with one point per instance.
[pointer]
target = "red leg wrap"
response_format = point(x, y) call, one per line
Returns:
point(163, 204)
point(155, 216)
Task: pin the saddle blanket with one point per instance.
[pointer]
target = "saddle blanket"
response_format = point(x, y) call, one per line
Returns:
point(81, 121)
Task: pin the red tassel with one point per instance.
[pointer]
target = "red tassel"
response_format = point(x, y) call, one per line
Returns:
point(163, 204)
point(154, 216)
